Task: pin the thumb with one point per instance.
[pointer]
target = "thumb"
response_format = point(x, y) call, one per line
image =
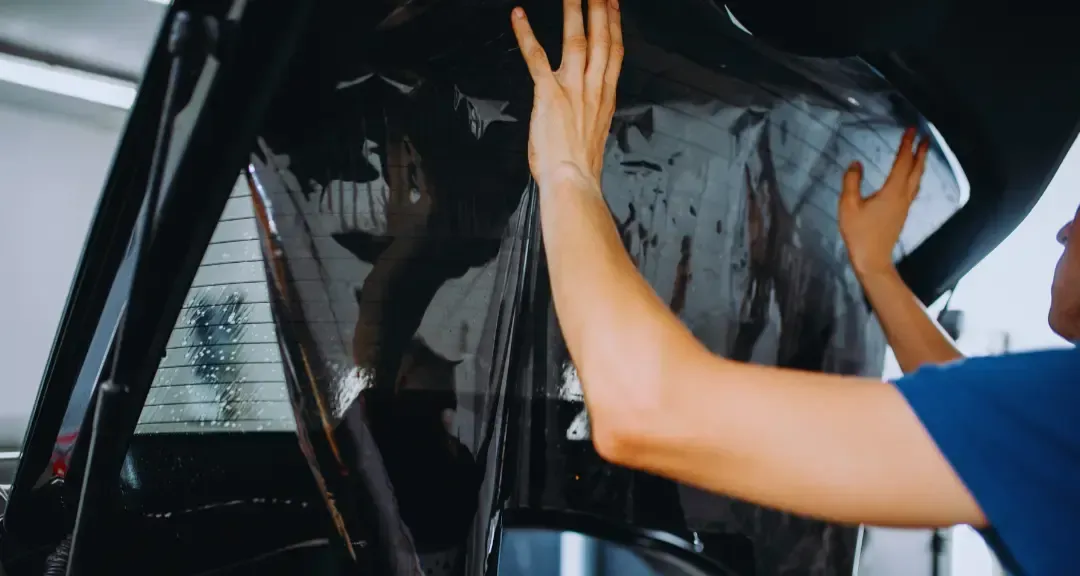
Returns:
point(850, 193)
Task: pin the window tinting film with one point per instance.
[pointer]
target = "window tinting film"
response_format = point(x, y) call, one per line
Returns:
point(393, 164)
point(394, 241)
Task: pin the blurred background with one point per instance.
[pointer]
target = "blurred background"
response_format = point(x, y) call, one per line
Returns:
point(68, 72)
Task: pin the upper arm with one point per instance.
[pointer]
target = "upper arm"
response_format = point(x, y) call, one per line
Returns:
point(844, 449)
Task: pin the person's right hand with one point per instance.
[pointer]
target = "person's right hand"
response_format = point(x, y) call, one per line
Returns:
point(871, 226)
point(573, 106)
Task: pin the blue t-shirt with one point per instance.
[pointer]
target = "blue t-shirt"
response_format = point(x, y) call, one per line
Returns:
point(1010, 428)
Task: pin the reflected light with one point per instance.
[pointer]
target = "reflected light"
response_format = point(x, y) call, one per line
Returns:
point(961, 177)
point(574, 554)
point(735, 20)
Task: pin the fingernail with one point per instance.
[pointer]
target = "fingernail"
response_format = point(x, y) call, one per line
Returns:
point(615, 4)
point(518, 13)
point(856, 166)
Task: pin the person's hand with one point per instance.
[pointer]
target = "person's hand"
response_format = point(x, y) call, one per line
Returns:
point(573, 106)
point(871, 226)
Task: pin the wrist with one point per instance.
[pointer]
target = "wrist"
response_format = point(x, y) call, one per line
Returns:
point(567, 175)
point(872, 274)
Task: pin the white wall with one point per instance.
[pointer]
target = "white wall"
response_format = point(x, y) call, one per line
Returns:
point(54, 157)
point(1009, 291)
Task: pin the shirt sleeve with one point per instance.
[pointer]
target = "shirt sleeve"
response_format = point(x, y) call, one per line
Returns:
point(1008, 426)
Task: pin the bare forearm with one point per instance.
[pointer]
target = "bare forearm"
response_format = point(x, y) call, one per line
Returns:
point(621, 336)
point(659, 401)
point(915, 337)
point(837, 448)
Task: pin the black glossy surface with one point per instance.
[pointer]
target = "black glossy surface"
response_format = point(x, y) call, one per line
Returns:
point(199, 502)
point(390, 172)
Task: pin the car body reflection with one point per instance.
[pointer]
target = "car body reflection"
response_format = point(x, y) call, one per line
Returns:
point(538, 552)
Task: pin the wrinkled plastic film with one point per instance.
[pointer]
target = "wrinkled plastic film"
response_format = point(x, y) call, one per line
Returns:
point(406, 290)
point(395, 165)
point(349, 474)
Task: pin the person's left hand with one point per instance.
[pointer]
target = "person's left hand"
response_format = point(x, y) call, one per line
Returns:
point(871, 226)
point(573, 106)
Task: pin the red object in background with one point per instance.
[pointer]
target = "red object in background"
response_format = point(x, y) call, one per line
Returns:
point(62, 453)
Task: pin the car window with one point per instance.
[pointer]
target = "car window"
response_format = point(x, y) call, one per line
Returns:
point(724, 184)
point(222, 367)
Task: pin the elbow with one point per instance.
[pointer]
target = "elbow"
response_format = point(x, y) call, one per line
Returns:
point(630, 397)
point(616, 437)
point(632, 431)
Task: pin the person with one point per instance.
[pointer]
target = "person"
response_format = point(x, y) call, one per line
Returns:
point(989, 442)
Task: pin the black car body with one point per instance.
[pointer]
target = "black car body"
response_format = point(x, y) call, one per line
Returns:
point(348, 357)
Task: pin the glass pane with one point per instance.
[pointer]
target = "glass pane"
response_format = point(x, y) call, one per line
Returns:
point(222, 369)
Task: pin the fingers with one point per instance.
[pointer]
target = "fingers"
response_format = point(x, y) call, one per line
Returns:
point(615, 54)
point(915, 178)
point(575, 45)
point(901, 167)
point(599, 47)
point(535, 57)
point(851, 193)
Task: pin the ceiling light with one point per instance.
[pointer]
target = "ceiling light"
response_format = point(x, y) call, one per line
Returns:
point(165, 2)
point(67, 81)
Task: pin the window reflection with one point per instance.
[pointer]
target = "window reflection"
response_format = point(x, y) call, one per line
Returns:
point(531, 552)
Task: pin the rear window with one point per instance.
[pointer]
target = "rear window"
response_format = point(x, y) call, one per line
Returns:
point(396, 197)
point(223, 371)
point(222, 368)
